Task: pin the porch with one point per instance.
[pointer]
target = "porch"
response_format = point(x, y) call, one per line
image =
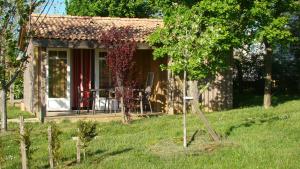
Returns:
point(67, 69)
point(100, 117)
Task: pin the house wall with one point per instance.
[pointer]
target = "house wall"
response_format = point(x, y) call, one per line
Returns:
point(218, 96)
point(28, 79)
point(164, 98)
point(145, 64)
point(34, 81)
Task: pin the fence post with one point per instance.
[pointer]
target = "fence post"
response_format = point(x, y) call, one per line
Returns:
point(51, 161)
point(141, 103)
point(24, 159)
point(78, 148)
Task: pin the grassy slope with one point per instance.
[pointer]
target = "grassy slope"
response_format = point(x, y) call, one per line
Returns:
point(262, 139)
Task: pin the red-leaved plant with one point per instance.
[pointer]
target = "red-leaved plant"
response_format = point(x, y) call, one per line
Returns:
point(121, 47)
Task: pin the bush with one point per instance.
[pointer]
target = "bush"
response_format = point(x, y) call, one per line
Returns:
point(1, 154)
point(86, 133)
point(55, 142)
point(27, 140)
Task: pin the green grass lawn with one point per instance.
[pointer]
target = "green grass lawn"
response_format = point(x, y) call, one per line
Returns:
point(15, 112)
point(252, 138)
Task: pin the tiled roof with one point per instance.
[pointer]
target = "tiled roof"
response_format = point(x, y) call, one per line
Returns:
point(87, 28)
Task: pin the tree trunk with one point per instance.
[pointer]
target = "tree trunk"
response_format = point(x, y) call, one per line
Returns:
point(123, 110)
point(170, 101)
point(239, 76)
point(184, 111)
point(268, 77)
point(4, 109)
point(24, 159)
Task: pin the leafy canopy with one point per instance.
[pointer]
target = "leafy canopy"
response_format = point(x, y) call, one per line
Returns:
point(271, 21)
point(202, 38)
point(197, 38)
point(122, 8)
point(14, 15)
point(125, 8)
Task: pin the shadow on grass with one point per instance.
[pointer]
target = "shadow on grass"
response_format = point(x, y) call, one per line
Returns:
point(192, 138)
point(254, 121)
point(113, 153)
point(251, 100)
point(72, 162)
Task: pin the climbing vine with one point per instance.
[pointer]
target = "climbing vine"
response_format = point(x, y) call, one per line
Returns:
point(121, 47)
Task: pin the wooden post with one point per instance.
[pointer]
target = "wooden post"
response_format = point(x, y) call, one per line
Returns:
point(78, 148)
point(51, 160)
point(24, 159)
point(210, 130)
point(123, 110)
point(141, 102)
point(42, 83)
point(184, 99)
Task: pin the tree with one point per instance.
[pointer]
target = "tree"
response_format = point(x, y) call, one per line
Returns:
point(198, 40)
point(125, 8)
point(121, 47)
point(122, 8)
point(270, 27)
point(87, 131)
point(54, 144)
point(14, 38)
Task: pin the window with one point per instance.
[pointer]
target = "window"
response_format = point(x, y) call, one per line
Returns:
point(104, 74)
point(57, 74)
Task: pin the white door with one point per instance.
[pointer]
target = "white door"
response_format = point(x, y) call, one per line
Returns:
point(58, 80)
point(102, 81)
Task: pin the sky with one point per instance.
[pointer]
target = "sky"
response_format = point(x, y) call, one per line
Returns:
point(58, 7)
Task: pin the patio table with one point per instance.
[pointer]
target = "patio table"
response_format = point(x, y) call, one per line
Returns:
point(110, 92)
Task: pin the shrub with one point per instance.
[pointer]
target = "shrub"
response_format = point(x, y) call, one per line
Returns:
point(1, 154)
point(86, 133)
point(55, 142)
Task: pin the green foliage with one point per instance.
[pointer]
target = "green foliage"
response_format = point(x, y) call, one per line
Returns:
point(2, 157)
point(26, 137)
point(271, 21)
point(202, 37)
point(199, 39)
point(55, 144)
point(122, 8)
point(14, 16)
point(86, 132)
point(18, 88)
point(14, 40)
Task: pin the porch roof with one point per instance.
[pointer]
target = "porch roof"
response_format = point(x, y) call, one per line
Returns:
point(74, 28)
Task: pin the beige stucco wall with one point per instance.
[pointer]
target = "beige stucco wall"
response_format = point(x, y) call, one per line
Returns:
point(33, 80)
